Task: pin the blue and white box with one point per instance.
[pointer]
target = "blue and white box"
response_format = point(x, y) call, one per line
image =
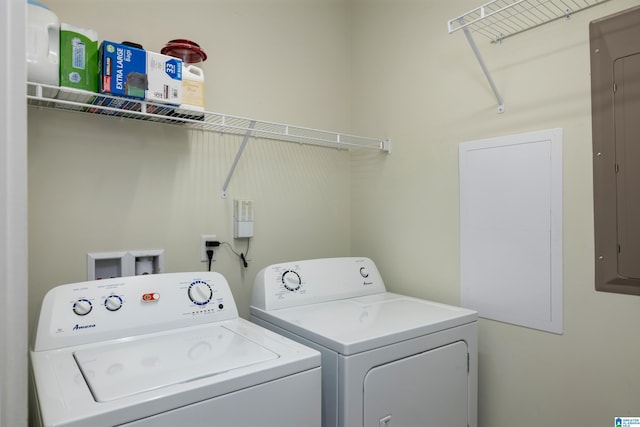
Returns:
point(123, 70)
point(165, 79)
point(136, 73)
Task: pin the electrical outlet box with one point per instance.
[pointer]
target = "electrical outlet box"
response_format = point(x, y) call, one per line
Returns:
point(203, 246)
point(242, 219)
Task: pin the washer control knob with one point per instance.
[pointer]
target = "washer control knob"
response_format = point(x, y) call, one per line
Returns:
point(291, 280)
point(113, 303)
point(200, 292)
point(82, 307)
point(363, 272)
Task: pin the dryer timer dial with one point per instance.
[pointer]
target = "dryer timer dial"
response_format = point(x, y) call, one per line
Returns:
point(291, 280)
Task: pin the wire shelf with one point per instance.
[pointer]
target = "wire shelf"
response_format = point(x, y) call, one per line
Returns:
point(45, 96)
point(500, 19)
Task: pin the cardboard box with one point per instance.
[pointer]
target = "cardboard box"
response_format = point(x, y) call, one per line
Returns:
point(78, 58)
point(79, 72)
point(165, 78)
point(136, 73)
point(123, 70)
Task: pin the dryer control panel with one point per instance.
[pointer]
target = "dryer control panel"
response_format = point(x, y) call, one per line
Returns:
point(94, 311)
point(312, 281)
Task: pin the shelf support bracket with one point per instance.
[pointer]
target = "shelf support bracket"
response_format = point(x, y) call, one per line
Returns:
point(237, 159)
point(476, 52)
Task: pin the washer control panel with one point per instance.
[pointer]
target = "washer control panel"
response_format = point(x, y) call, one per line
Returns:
point(84, 312)
point(311, 281)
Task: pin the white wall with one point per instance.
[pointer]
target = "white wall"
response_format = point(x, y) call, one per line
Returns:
point(13, 216)
point(425, 90)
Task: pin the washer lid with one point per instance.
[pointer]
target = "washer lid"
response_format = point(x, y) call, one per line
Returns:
point(133, 366)
point(354, 325)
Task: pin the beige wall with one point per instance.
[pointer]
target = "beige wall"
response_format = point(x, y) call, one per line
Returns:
point(383, 68)
point(424, 89)
point(99, 184)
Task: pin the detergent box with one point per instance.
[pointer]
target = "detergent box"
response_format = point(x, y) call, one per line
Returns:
point(78, 58)
point(137, 73)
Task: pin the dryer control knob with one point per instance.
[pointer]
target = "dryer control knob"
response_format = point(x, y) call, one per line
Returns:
point(200, 292)
point(291, 280)
point(113, 303)
point(363, 272)
point(82, 307)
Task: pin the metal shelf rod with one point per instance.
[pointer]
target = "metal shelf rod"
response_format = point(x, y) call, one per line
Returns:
point(476, 52)
point(499, 19)
point(136, 109)
point(237, 159)
point(206, 121)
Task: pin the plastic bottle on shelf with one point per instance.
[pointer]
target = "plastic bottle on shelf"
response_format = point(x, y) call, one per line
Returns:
point(192, 75)
point(43, 45)
point(192, 87)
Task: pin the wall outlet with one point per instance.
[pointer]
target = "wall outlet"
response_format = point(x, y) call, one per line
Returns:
point(203, 246)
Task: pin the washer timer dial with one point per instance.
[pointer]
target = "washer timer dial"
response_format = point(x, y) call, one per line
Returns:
point(82, 307)
point(291, 280)
point(113, 303)
point(200, 292)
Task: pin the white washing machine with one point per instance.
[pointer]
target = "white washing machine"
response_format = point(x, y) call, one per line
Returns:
point(166, 350)
point(388, 360)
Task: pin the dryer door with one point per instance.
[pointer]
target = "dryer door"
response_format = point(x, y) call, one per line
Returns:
point(427, 389)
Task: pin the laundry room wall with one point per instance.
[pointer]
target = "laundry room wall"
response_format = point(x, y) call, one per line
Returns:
point(100, 184)
point(382, 68)
point(425, 90)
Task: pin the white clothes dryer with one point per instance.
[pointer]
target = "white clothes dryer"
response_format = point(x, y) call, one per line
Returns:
point(388, 360)
point(166, 350)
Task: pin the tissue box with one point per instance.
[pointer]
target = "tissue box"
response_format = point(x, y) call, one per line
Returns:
point(137, 73)
point(78, 58)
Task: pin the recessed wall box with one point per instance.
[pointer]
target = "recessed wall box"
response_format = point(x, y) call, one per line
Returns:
point(148, 262)
point(105, 265)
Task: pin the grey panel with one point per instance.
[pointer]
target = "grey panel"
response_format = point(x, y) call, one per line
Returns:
point(616, 237)
point(428, 389)
point(627, 126)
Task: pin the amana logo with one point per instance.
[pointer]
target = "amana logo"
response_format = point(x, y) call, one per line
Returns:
point(78, 327)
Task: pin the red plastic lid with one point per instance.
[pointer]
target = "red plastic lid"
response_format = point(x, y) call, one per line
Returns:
point(190, 52)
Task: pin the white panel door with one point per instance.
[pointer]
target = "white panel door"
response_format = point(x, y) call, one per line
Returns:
point(511, 228)
point(429, 389)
